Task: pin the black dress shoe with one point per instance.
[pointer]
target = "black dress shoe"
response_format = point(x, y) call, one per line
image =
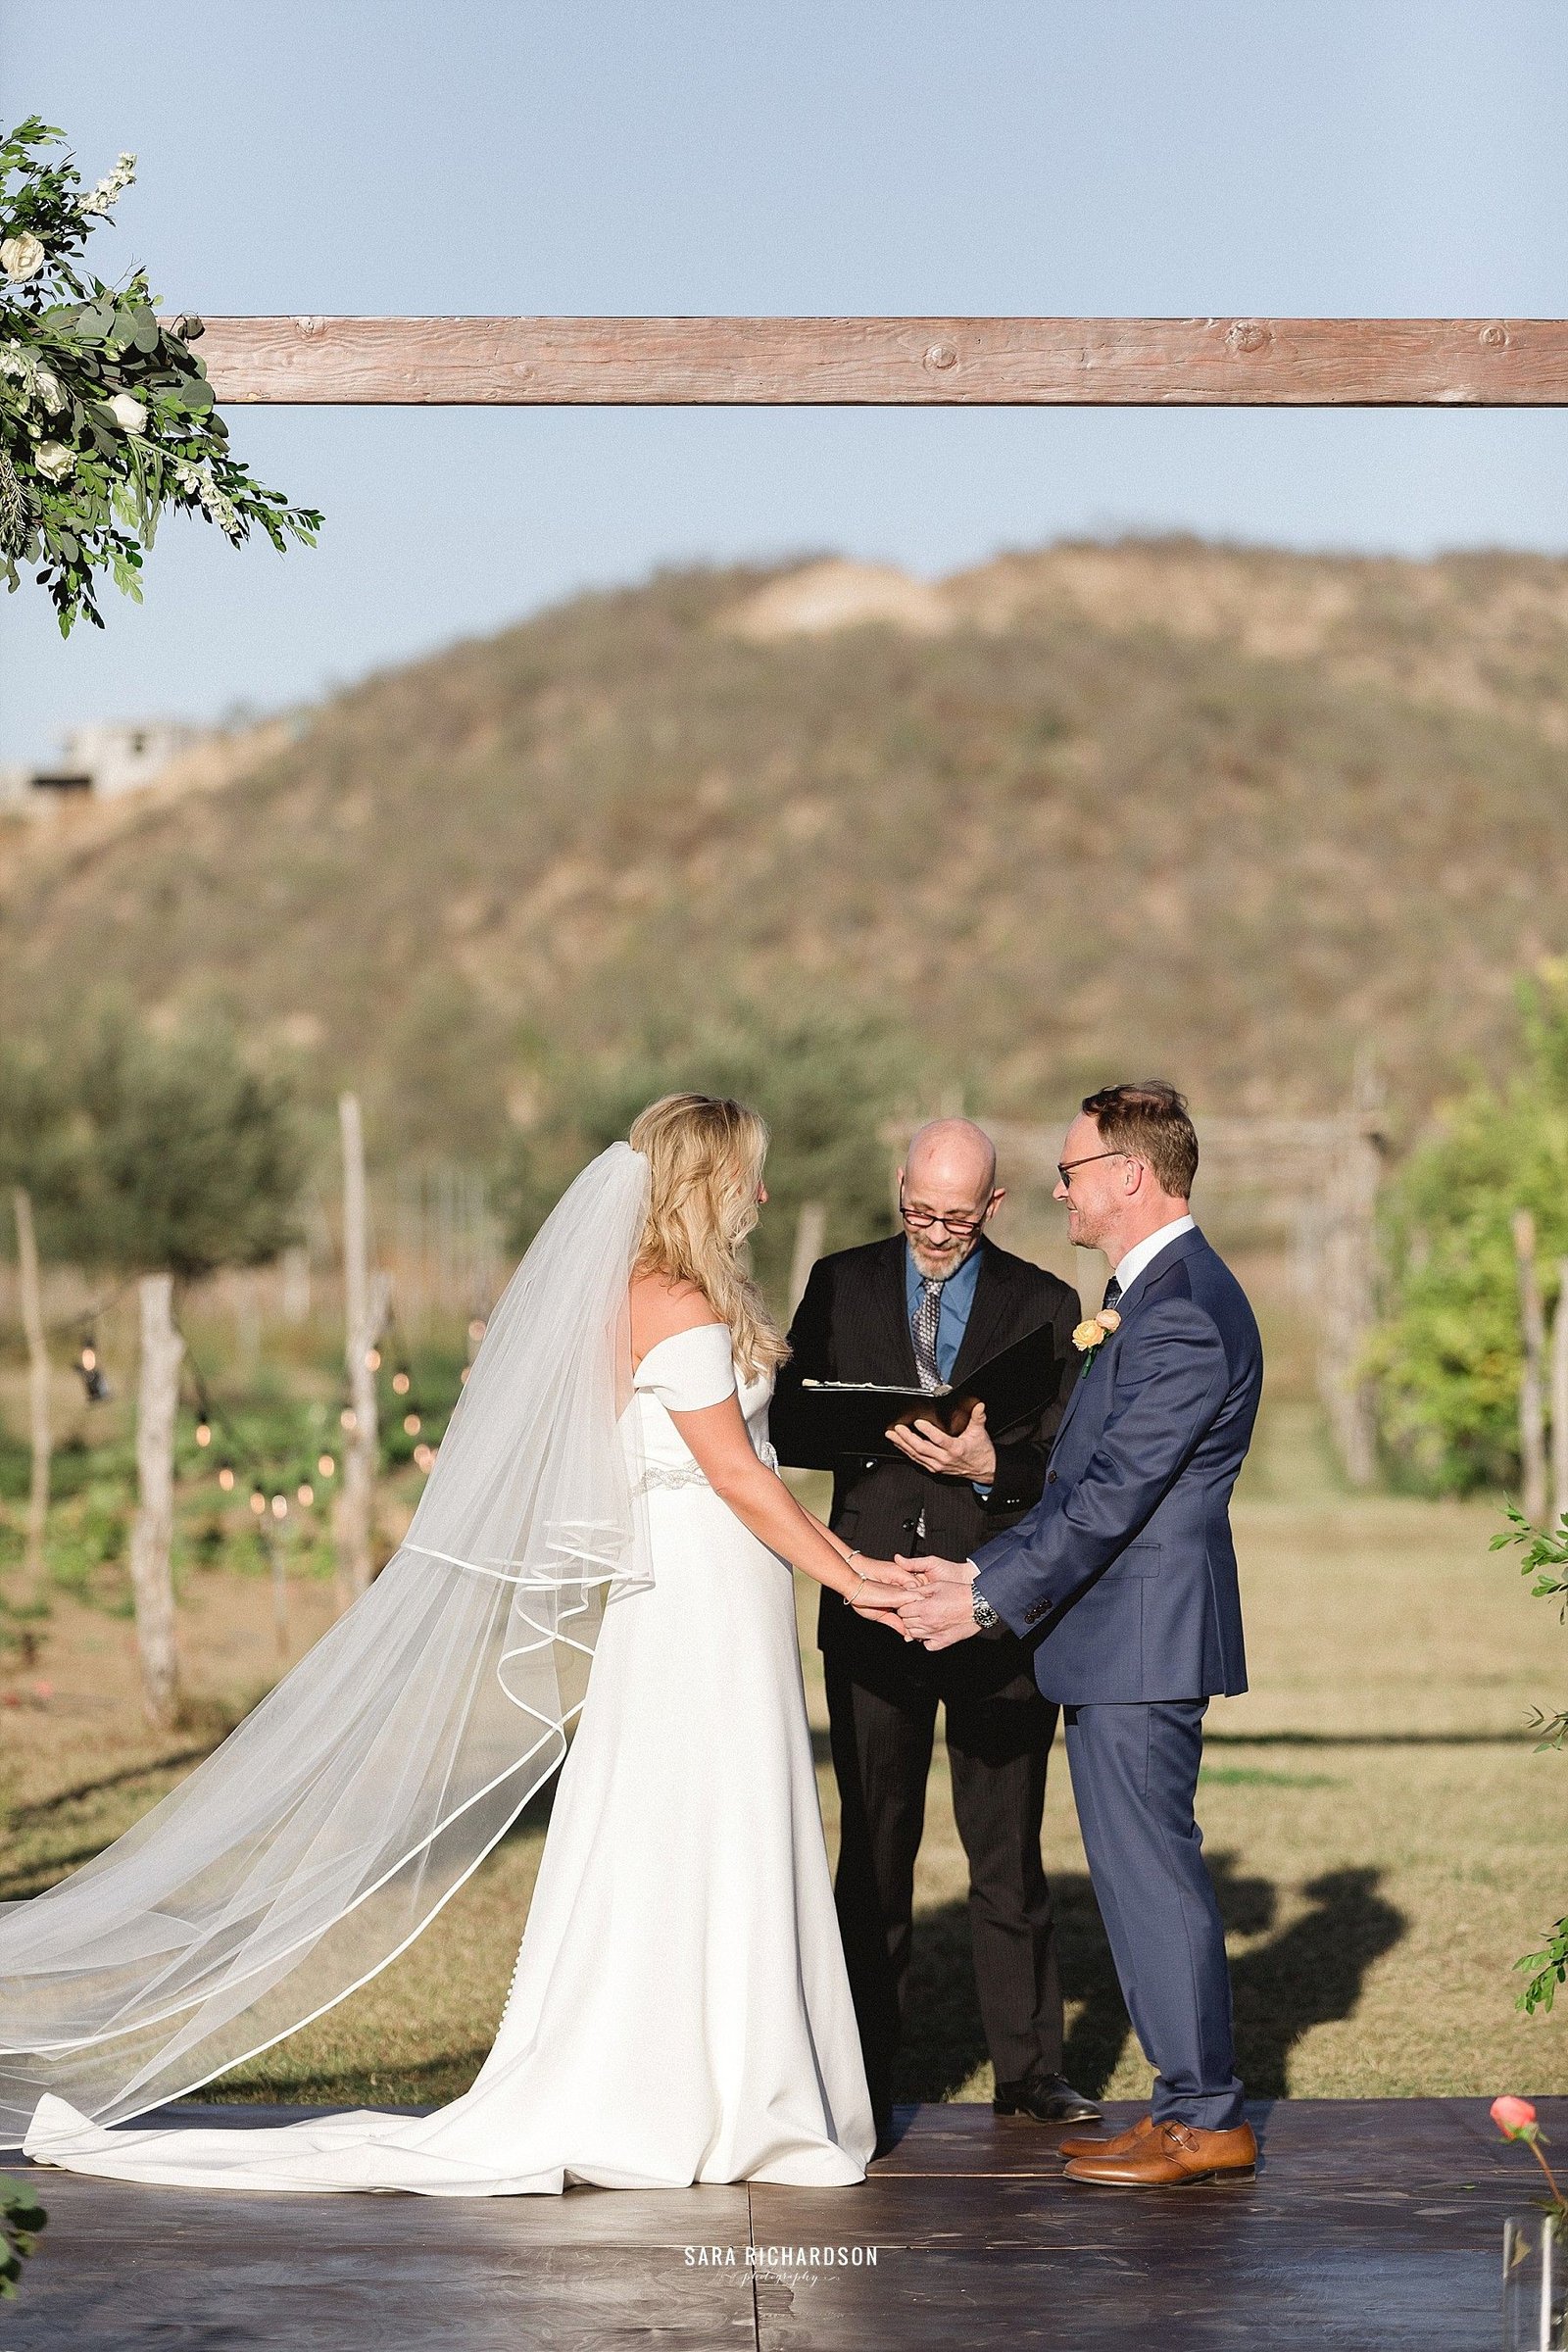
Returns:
point(1049, 2098)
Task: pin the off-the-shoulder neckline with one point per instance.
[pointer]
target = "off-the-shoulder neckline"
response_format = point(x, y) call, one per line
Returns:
point(678, 1335)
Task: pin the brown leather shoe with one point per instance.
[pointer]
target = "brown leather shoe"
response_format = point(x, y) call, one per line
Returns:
point(1121, 2146)
point(1173, 2157)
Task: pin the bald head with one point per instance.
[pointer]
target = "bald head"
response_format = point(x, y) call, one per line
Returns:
point(949, 1171)
point(953, 1151)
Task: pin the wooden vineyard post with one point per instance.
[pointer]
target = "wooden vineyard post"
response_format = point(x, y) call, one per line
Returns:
point(37, 1390)
point(1559, 1397)
point(1350, 1294)
point(278, 1572)
point(152, 1532)
point(364, 1314)
point(1532, 1387)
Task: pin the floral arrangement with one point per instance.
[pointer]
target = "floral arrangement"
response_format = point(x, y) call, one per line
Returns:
point(106, 413)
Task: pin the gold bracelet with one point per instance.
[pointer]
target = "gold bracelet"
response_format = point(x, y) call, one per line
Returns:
point(850, 1599)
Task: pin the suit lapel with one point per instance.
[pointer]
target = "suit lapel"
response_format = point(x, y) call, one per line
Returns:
point(891, 1306)
point(1184, 1246)
point(1065, 1423)
point(1131, 1300)
point(986, 1310)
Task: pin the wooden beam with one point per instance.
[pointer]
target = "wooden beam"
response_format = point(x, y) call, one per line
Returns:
point(915, 363)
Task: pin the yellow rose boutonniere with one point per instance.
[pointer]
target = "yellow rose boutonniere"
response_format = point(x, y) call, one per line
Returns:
point(1093, 1333)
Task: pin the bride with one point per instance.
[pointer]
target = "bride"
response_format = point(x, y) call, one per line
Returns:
point(679, 2010)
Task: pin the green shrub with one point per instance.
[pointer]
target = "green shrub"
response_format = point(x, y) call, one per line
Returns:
point(1449, 1356)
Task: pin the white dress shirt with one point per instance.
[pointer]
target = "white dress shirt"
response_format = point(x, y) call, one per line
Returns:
point(1128, 1268)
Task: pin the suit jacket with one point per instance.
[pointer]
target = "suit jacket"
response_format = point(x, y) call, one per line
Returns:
point(852, 1324)
point(1125, 1571)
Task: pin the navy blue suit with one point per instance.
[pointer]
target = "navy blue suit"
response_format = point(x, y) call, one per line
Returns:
point(1124, 1574)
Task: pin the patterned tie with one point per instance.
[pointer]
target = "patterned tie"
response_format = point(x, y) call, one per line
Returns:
point(927, 1316)
point(1112, 1292)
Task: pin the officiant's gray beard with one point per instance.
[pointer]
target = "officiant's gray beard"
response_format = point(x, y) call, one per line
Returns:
point(944, 1263)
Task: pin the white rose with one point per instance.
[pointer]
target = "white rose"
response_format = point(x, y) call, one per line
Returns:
point(53, 461)
point(128, 411)
point(21, 258)
point(50, 391)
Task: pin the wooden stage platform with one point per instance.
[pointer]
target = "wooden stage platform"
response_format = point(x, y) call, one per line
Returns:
point(1373, 2225)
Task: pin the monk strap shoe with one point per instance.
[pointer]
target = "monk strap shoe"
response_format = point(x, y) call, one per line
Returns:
point(1171, 2155)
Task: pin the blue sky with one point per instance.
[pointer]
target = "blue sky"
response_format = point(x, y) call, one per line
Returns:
point(1069, 156)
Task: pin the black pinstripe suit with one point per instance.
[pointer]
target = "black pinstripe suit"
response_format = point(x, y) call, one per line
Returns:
point(852, 1324)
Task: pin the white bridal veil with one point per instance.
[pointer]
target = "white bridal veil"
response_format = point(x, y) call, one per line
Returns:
point(332, 1825)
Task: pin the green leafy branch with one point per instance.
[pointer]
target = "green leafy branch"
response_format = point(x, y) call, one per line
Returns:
point(1547, 1560)
point(1548, 1968)
point(107, 416)
point(22, 2216)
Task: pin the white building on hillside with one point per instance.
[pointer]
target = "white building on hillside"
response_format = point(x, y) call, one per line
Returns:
point(103, 760)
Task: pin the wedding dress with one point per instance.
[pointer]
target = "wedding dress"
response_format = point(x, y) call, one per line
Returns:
point(680, 2010)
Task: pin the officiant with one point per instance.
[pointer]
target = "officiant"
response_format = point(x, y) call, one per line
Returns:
point(920, 1309)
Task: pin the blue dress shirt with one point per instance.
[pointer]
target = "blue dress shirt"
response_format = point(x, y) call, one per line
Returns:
point(958, 1298)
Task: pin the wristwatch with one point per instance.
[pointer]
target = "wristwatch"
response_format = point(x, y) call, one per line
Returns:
point(985, 1616)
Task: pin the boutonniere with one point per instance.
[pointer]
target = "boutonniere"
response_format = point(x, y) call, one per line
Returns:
point(1089, 1337)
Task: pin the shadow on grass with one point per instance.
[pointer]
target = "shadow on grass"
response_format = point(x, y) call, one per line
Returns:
point(1309, 1974)
point(434, 2083)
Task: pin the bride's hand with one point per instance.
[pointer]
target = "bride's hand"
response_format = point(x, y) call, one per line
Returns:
point(905, 1576)
point(878, 1598)
point(929, 1570)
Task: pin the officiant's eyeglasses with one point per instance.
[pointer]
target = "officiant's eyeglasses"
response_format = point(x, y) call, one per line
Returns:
point(1065, 1167)
point(920, 1219)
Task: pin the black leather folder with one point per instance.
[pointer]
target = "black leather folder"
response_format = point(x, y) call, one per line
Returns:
point(834, 1418)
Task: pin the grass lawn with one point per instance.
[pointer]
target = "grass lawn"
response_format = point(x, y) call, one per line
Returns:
point(1385, 1839)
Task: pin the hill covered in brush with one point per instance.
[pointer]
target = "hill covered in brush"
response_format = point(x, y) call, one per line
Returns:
point(1232, 814)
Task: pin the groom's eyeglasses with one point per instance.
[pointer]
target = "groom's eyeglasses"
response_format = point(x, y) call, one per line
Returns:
point(1065, 1167)
point(920, 1219)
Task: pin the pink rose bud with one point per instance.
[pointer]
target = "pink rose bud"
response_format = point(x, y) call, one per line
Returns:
point(1512, 2115)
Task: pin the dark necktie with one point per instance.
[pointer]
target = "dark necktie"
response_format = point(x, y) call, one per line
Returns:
point(927, 1317)
point(1112, 1292)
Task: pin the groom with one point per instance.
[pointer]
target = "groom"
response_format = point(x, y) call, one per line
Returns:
point(1125, 1577)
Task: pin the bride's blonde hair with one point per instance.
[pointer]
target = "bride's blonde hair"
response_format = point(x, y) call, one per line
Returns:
point(705, 1158)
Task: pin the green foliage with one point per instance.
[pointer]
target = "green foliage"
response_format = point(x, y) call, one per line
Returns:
point(150, 1152)
point(1548, 1968)
point(106, 413)
point(36, 1146)
point(1545, 1558)
point(22, 2216)
point(825, 1084)
point(1449, 1357)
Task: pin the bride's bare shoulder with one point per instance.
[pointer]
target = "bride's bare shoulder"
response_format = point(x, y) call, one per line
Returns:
point(661, 1306)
